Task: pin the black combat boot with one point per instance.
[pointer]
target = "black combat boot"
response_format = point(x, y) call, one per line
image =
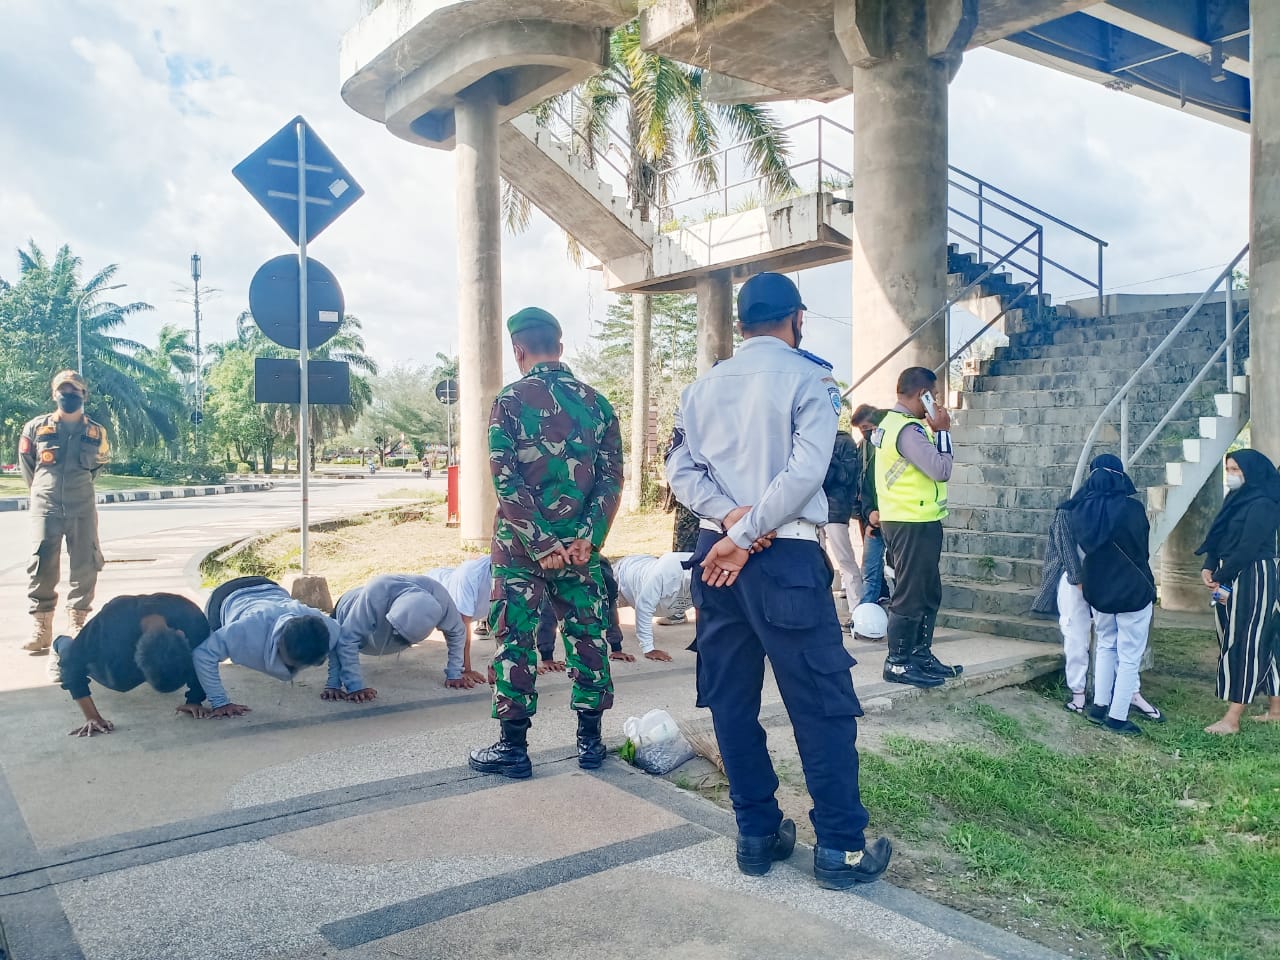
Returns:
point(922, 654)
point(591, 751)
point(757, 854)
point(510, 755)
point(898, 667)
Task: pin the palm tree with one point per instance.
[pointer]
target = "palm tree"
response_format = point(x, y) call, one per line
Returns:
point(661, 104)
point(38, 323)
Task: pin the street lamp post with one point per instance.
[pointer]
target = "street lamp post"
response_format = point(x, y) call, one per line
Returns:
point(195, 278)
point(79, 334)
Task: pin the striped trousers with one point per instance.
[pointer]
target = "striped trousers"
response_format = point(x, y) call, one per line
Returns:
point(1246, 629)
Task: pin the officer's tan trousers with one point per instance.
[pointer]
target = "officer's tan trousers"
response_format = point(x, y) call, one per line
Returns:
point(45, 568)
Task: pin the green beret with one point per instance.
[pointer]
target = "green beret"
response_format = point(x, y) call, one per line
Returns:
point(531, 317)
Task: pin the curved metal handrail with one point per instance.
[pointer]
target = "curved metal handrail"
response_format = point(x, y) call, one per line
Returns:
point(1122, 395)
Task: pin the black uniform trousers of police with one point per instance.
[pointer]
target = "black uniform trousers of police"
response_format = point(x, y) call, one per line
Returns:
point(917, 584)
point(781, 607)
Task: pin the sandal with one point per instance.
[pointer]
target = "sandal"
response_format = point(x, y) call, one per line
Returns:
point(1072, 707)
point(1154, 715)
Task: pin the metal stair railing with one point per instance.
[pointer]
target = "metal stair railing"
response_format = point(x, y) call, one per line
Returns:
point(945, 310)
point(996, 213)
point(1121, 399)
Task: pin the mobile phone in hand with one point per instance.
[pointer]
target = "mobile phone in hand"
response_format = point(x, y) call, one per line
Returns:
point(930, 405)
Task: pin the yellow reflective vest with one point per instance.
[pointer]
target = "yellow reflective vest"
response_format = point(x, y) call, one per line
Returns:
point(903, 492)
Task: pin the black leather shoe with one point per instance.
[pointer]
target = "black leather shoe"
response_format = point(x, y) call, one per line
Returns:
point(757, 854)
point(931, 666)
point(1125, 728)
point(908, 673)
point(591, 751)
point(509, 756)
point(1097, 713)
point(841, 869)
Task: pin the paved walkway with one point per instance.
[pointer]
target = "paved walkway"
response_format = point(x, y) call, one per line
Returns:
point(313, 829)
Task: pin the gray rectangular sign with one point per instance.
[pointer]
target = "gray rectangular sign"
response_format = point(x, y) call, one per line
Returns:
point(280, 381)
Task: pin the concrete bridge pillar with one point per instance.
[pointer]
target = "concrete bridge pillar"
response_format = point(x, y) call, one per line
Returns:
point(1264, 250)
point(481, 337)
point(904, 54)
point(715, 319)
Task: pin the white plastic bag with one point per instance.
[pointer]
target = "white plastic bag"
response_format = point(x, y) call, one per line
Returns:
point(659, 745)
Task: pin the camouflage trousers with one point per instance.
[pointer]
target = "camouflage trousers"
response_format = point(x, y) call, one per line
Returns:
point(578, 596)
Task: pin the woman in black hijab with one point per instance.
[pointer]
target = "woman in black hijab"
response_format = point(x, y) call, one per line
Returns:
point(1111, 529)
point(1240, 567)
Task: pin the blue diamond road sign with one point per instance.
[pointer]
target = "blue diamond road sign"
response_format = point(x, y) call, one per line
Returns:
point(270, 174)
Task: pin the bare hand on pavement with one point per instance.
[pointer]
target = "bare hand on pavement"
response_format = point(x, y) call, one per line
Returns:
point(333, 693)
point(622, 655)
point(475, 676)
point(99, 725)
point(661, 655)
point(362, 696)
point(229, 710)
point(551, 666)
point(197, 710)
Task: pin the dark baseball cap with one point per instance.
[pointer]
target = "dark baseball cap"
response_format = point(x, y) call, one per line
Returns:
point(768, 297)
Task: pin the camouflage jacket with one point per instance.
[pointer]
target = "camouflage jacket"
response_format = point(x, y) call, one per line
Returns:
point(555, 452)
point(59, 460)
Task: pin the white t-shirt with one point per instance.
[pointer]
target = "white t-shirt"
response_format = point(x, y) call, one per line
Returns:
point(469, 585)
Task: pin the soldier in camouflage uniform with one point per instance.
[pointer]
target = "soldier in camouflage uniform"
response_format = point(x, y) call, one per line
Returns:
point(60, 454)
point(555, 451)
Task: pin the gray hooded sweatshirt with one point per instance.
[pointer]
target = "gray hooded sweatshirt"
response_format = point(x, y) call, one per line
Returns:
point(406, 604)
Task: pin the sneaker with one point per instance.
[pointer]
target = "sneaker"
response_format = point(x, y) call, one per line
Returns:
point(841, 869)
point(757, 854)
point(673, 620)
point(1125, 728)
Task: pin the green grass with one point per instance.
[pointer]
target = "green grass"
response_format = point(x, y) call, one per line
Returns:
point(409, 493)
point(13, 486)
point(1167, 846)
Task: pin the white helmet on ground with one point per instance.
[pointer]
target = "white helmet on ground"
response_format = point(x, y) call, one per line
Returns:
point(870, 622)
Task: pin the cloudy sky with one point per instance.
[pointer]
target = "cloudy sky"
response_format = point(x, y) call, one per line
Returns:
point(122, 121)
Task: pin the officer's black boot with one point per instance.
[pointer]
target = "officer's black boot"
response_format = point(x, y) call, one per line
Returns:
point(591, 752)
point(841, 869)
point(510, 755)
point(898, 667)
point(922, 653)
point(757, 854)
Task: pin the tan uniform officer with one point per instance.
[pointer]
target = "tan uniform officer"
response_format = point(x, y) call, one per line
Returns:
point(61, 453)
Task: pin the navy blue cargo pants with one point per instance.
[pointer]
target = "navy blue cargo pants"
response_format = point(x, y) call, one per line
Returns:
point(781, 607)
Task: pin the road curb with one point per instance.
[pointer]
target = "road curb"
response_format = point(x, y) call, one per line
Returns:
point(159, 493)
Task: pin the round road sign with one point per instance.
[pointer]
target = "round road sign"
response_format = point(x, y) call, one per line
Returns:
point(273, 301)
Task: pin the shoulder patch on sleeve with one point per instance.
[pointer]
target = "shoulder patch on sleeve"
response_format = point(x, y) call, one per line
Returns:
point(836, 401)
point(917, 428)
point(677, 440)
point(45, 429)
point(24, 445)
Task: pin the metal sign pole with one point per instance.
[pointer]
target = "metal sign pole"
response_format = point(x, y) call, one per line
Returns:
point(304, 408)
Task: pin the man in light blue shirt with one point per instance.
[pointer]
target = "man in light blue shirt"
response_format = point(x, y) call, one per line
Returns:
point(395, 611)
point(256, 624)
point(752, 444)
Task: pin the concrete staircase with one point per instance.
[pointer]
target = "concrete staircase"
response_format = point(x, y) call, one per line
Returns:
point(1024, 420)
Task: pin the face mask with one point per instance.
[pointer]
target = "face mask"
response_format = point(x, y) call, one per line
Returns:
point(70, 402)
point(1234, 481)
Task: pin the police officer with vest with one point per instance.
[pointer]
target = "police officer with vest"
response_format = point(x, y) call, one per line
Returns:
point(61, 454)
point(752, 444)
point(912, 466)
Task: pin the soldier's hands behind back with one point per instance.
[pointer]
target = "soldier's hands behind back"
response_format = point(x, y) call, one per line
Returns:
point(555, 560)
point(197, 710)
point(580, 552)
point(723, 563)
point(99, 725)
